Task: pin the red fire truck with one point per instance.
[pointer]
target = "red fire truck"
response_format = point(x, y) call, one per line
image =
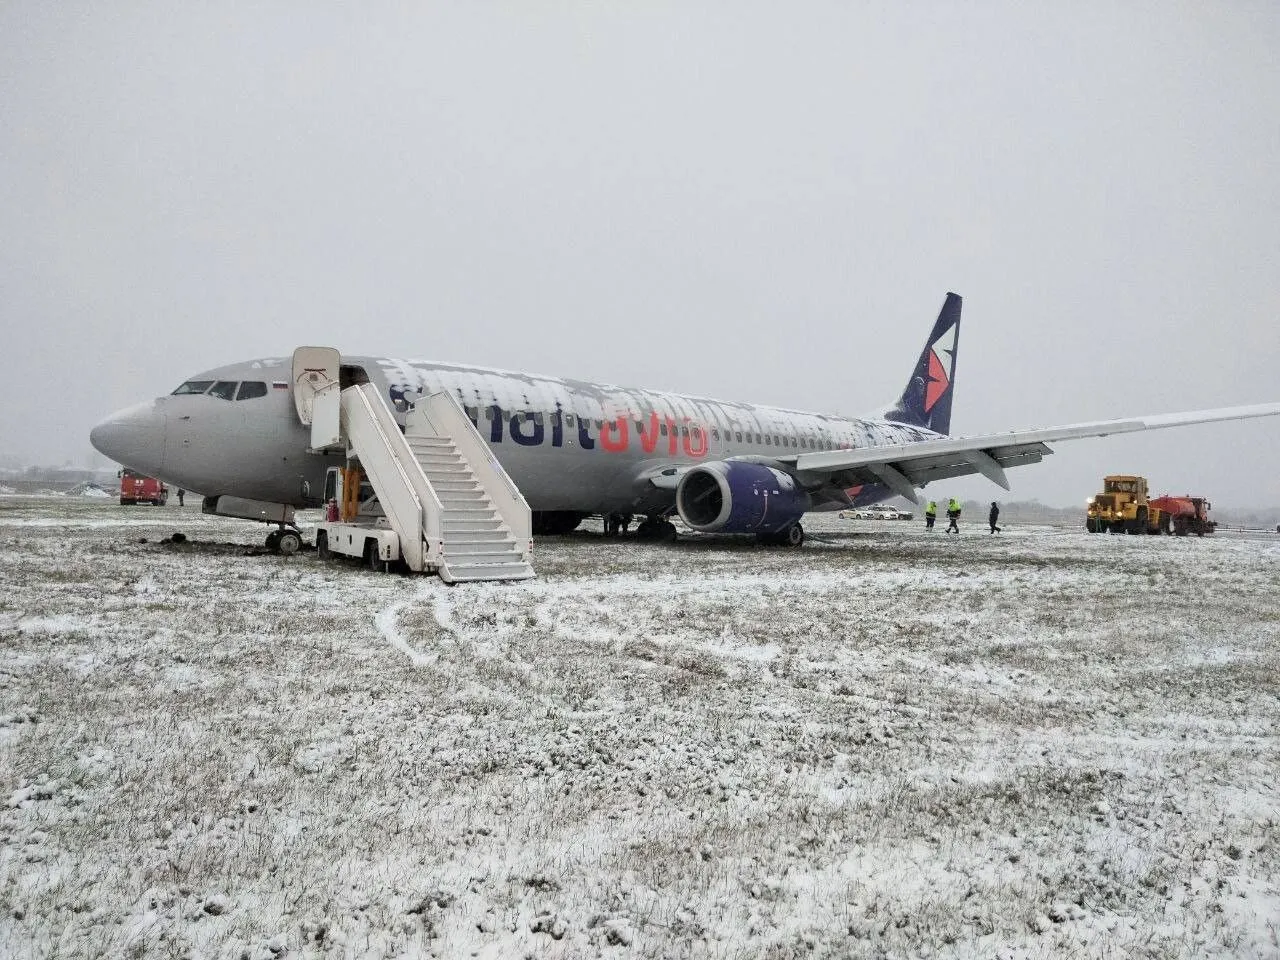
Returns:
point(137, 488)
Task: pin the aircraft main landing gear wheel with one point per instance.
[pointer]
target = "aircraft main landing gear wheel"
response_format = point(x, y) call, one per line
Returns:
point(273, 540)
point(657, 530)
point(790, 536)
point(289, 542)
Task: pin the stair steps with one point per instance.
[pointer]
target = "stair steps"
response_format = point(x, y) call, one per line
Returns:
point(477, 545)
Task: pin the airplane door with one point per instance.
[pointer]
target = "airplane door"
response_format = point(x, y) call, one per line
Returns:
point(164, 440)
point(313, 368)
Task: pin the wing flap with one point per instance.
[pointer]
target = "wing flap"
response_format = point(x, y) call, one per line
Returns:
point(924, 470)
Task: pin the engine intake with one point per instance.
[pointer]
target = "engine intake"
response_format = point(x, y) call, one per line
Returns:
point(733, 496)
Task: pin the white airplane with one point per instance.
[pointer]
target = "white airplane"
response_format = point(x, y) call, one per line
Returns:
point(576, 448)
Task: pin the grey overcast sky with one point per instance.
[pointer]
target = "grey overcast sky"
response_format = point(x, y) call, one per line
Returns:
point(751, 201)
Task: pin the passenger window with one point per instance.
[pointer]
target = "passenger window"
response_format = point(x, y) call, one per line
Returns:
point(715, 433)
point(251, 389)
point(193, 386)
point(224, 389)
point(663, 429)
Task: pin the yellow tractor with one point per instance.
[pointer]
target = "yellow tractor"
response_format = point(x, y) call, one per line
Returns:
point(1122, 507)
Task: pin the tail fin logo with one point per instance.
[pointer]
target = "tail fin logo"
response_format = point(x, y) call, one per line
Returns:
point(937, 382)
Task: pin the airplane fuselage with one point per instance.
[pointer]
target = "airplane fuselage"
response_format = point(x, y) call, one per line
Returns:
point(569, 445)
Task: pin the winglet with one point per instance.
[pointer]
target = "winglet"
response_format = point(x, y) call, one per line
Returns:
point(926, 399)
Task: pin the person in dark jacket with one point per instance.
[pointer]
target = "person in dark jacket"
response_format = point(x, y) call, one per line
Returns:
point(993, 516)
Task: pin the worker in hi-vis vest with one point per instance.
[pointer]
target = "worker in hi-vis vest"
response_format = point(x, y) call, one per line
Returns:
point(930, 514)
point(953, 514)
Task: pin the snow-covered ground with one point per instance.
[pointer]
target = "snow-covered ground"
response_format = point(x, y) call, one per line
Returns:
point(1037, 744)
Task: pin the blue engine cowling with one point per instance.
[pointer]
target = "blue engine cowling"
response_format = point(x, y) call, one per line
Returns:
point(734, 496)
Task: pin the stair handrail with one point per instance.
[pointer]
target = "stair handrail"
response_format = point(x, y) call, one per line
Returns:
point(433, 508)
point(447, 418)
point(425, 518)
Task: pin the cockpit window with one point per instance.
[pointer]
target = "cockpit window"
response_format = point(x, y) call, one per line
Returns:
point(250, 389)
point(224, 389)
point(193, 386)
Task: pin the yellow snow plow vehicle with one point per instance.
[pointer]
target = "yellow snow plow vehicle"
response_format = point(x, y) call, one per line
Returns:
point(1123, 507)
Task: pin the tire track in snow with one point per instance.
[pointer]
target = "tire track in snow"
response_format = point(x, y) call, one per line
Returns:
point(441, 605)
point(388, 623)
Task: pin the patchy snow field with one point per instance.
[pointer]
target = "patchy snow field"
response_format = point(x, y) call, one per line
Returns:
point(1040, 744)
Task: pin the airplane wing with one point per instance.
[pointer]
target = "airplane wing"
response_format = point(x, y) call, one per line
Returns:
point(904, 467)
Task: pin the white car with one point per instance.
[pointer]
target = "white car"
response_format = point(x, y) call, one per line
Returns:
point(877, 511)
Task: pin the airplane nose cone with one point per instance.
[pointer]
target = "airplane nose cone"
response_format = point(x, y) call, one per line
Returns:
point(133, 437)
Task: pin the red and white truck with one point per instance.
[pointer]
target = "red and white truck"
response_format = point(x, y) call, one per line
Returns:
point(1186, 514)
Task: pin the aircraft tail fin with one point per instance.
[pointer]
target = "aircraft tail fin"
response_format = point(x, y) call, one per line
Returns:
point(926, 399)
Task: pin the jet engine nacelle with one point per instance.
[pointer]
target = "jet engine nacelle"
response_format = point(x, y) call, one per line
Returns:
point(733, 496)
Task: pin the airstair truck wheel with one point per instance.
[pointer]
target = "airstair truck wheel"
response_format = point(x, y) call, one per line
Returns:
point(322, 545)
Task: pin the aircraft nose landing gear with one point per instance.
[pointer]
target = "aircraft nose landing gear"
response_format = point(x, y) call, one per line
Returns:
point(287, 541)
